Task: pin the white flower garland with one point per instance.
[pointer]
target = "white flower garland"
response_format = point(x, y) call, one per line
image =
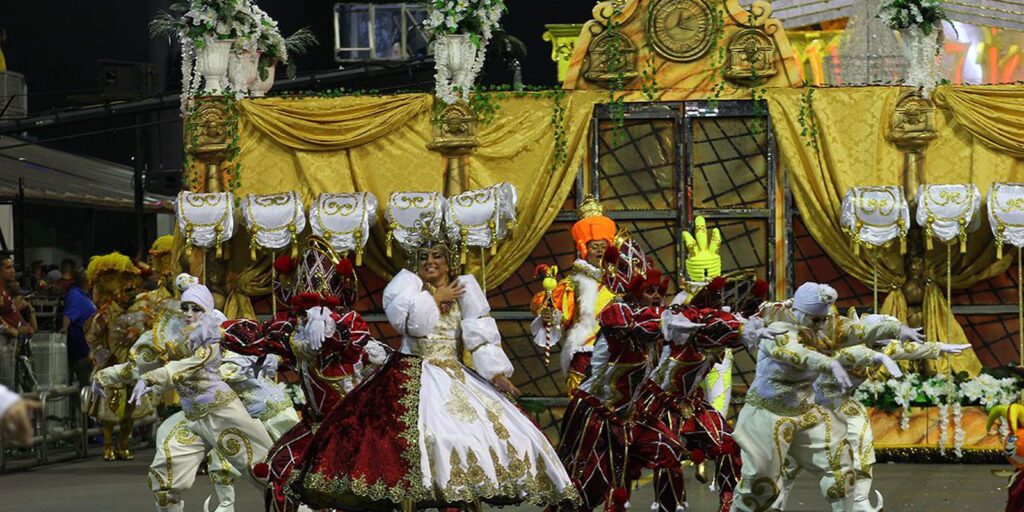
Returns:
point(958, 429)
point(943, 426)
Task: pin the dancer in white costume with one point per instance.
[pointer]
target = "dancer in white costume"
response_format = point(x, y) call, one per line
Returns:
point(213, 417)
point(830, 395)
point(253, 379)
point(250, 379)
point(780, 417)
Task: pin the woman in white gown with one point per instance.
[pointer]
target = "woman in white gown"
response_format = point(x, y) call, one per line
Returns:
point(425, 430)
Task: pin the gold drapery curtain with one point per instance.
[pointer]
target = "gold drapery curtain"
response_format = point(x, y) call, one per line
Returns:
point(852, 151)
point(253, 281)
point(992, 114)
point(378, 144)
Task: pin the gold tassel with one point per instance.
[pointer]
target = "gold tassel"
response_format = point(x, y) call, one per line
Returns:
point(963, 245)
point(359, 256)
point(483, 270)
point(387, 242)
point(463, 252)
point(252, 252)
point(903, 236)
point(273, 292)
point(494, 248)
point(220, 251)
point(928, 243)
point(999, 250)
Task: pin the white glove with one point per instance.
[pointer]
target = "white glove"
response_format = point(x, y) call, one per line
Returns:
point(840, 374)
point(889, 364)
point(950, 348)
point(269, 369)
point(376, 352)
point(908, 333)
point(319, 326)
point(676, 327)
point(141, 389)
point(207, 331)
point(97, 389)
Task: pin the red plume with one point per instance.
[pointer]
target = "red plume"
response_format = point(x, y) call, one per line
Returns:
point(344, 267)
point(330, 302)
point(697, 455)
point(717, 284)
point(540, 270)
point(620, 499)
point(284, 264)
point(760, 289)
point(611, 255)
point(261, 471)
point(663, 286)
point(304, 301)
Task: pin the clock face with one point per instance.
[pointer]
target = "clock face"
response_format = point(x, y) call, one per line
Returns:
point(680, 30)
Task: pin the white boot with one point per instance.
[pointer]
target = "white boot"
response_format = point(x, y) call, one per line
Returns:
point(172, 507)
point(225, 498)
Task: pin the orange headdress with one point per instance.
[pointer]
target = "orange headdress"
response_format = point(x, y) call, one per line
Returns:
point(592, 225)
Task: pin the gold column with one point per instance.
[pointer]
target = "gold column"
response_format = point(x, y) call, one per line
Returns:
point(911, 130)
point(563, 42)
point(208, 143)
point(455, 138)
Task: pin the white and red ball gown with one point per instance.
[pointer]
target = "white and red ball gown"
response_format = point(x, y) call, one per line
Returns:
point(427, 431)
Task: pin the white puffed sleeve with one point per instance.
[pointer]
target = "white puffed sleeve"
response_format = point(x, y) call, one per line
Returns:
point(480, 334)
point(410, 310)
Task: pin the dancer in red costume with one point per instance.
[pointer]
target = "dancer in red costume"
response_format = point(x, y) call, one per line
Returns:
point(321, 338)
point(698, 331)
point(603, 445)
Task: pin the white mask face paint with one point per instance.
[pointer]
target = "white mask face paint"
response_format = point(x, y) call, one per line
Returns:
point(192, 311)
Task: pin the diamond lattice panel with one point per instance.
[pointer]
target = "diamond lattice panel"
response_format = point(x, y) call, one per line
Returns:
point(810, 263)
point(995, 338)
point(638, 171)
point(556, 247)
point(729, 163)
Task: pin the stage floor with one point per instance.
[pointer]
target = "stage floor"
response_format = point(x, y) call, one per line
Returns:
point(94, 485)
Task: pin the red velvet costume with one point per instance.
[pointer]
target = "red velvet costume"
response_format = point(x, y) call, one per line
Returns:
point(673, 394)
point(327, 374)
point(597, 426)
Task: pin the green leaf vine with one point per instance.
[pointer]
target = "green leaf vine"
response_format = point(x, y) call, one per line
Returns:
point(808, 127)
point(616, 61)
point(649, 73)
point(718, 53)
point(232, 167)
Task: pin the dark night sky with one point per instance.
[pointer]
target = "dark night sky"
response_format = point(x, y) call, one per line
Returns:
point(57, 44)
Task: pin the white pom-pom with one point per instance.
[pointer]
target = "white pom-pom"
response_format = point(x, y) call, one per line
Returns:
point(626, 505)
point(683, 507)
point(183, 281)
point(655, 506)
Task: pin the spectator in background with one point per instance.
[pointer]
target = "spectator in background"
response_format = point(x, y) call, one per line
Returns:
point(34, 277)
point(28, 313)
point(67, 275)
point(78, 307)
point(11, 321)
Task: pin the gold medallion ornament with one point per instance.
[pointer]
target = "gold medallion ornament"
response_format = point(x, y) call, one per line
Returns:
point(680, 30)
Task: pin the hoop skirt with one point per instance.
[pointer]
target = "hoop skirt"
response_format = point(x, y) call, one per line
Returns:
point(425, 428)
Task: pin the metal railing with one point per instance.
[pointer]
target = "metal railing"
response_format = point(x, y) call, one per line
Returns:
point(44, 439)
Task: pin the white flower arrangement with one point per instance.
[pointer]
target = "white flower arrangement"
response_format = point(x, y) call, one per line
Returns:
point(196, 23)
point(949, 399)
point(920, 21)
point(475, 18)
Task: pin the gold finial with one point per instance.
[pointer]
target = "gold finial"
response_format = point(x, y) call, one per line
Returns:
point(590, 207)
